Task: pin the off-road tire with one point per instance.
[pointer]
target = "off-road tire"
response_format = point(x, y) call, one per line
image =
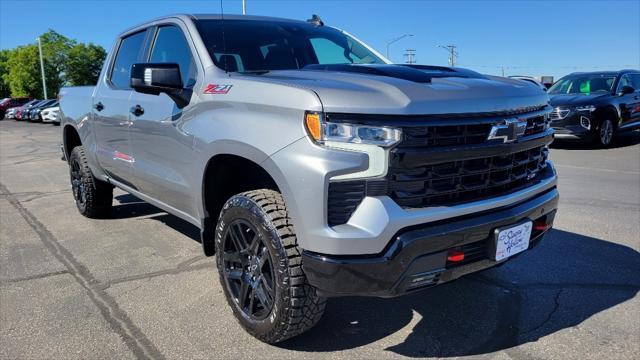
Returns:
point(98, 195)
point(296, 306)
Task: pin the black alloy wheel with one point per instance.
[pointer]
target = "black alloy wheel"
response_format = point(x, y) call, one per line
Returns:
point(77, 185)
point(248, 269)
point(605, 135)
point(93, 197)
point(260, 267)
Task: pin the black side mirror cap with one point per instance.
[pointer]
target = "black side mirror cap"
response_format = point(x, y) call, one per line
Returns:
point(156, 78)
point(626, 90)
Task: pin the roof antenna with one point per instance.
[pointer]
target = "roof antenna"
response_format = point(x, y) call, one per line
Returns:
point(224, 40)
point(315, 20)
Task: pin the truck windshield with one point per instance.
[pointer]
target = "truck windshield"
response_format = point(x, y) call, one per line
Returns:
point(257, 46)
point(583, 84)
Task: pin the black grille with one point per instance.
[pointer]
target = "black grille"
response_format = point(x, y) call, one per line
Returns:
point(460, 134)
point(434, 136)
point(344, 198)
point(535, 125)
point(468, 180)
point(444, 162)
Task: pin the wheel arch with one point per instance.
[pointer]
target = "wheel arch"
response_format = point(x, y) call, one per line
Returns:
point(224, 175)
point(611, 110)
point(70, 139)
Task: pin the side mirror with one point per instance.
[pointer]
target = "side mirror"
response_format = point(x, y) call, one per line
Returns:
point(156, 78)
point(626, 90)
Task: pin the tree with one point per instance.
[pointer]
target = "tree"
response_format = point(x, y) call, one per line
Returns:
point(24, 69)
point(55, 50)
point(24, 77)
point(5, 91)
point(83, 64)
point(64, 61)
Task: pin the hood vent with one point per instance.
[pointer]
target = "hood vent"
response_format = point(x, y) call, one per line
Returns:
point(415, 73)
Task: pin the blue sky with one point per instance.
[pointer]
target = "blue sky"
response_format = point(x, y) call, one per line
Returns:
point(524, 37)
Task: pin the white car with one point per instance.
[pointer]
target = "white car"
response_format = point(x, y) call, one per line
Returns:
point(11, 113)
point(50, 115)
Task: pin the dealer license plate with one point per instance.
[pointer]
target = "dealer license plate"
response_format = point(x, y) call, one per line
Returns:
point(512, 240)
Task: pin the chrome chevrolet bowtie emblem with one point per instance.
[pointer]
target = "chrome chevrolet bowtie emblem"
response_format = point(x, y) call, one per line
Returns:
point(509, 130)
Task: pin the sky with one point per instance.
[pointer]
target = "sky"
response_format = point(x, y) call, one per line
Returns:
point(518, 37)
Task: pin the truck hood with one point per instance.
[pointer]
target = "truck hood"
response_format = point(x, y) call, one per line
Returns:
point(389, 91)
point(569, 100)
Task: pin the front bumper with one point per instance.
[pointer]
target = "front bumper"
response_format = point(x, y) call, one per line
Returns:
point(577, 125)
point(416, 257)
point(49, 117)
point(377, 218)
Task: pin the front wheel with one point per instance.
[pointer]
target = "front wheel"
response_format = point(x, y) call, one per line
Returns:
point(260, 268)
point(605, 134)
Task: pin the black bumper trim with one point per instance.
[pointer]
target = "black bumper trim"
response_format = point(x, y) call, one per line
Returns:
point(417, 256)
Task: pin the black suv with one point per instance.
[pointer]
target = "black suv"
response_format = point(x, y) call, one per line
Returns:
point(596, 106)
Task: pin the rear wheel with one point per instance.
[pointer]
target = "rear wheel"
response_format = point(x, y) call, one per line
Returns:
point(93, 197)
point(260, 268)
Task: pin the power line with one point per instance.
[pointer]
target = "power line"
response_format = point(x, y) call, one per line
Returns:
point(453, 53)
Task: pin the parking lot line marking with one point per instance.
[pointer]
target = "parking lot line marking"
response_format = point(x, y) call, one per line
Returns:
point(34, 277)
point(120, 323)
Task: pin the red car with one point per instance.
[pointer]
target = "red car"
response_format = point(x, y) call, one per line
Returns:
point(8, 103)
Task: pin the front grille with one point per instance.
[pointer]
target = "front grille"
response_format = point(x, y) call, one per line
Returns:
point(455, 182)
point(463, 134)
point(440, 162)
point(535, 125)
point(434, 136)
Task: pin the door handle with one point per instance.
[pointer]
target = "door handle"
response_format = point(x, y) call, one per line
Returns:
point(137, 110)
point(98, 106)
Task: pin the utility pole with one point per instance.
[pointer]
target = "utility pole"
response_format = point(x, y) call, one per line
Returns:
point(394, 40)
point(44, 83)
point(453, 53)
point(244, 7)
point(411, 56)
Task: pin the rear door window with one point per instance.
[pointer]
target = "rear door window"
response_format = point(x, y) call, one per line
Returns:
point(128, 54)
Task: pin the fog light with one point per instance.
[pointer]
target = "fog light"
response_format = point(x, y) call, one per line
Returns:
point(585, 122)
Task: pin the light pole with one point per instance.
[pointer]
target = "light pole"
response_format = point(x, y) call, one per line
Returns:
point(244, 7)
point(44, 83)
point(394, 40)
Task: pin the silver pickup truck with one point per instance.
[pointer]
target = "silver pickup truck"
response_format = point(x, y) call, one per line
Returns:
point(312, 165)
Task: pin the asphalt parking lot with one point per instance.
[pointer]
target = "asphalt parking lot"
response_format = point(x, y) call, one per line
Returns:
point(137, 285)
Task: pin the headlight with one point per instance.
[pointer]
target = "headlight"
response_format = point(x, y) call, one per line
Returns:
point(322, 131)
point(588, 108)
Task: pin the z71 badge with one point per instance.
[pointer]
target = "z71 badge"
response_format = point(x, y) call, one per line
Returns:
point(217, 89)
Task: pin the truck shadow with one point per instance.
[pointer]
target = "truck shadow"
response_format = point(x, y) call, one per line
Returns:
point(559, 284)
point(129, 206)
